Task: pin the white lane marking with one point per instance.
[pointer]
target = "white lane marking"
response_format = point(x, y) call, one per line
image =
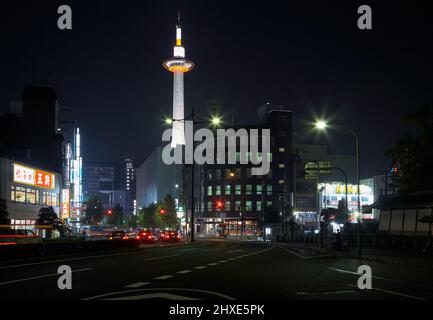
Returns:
point(231, 251)
point(40, 277)
point(304, 257)
point(167, 276)
point(231, 259)
point(184, 271)
point(162, 290)
point(360, 274)
point(394, 293)
point(162, 295)
point(200, 267)
point(163, 257)
point(137, 285)
point(213, 264)
point(222, 261)
point(239, 257)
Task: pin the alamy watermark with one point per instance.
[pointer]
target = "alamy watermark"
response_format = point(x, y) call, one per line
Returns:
point(226, 142)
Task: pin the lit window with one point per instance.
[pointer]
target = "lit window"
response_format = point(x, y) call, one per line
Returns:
point(218, 190)
point(228, 190)
point(209, 206)
point(227, 206)
point(259, 189)
point(238, 189)
point(209, 190)
point(282, 149)
point(281, 181)
point(249, 189)
point(269, 190)
point(238, 206)
point(258, 206)
point(248, 206)
point(281, 166)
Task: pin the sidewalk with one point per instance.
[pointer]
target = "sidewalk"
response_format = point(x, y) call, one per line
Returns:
point(393, 257)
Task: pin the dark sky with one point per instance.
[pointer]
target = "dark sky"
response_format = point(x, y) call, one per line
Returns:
point(308, 55)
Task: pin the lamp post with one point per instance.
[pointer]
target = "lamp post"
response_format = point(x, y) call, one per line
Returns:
point(322, 125)
point(214, 121)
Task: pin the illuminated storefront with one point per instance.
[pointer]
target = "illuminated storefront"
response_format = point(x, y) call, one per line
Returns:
point(27, 189)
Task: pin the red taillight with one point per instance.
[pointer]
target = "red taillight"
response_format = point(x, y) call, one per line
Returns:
point(137, 237)
point(111, 238)
point(125, 238)
point(149, 237)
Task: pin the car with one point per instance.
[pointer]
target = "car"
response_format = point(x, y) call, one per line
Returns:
point(145, 237)
point(170, 236)
point(19, 236)
point(118, 235)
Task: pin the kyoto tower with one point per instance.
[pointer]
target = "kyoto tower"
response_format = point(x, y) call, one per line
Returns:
point(178, 65)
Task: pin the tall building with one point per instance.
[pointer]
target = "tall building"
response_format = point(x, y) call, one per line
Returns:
point(155, 179)
point(99, 180)
point(178, 65)
point(125, 179)
point(235, 201)
point(29, 132)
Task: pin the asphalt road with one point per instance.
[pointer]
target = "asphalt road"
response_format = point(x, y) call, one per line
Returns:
point(225, 270)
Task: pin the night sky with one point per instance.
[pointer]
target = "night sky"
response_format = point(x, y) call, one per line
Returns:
point(307, 55)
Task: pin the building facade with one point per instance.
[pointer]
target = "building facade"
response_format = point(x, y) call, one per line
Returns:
point(237, 203)
point(26, 190)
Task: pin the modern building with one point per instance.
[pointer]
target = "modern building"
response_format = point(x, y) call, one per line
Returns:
point(125, 180)
point(29, 134)
point(310, 198)
point(235, 202)
point(155, 180)
point(99, 179)
point(26, 190)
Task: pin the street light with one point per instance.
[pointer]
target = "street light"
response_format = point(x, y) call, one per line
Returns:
point(214, 121)
point(322, 125)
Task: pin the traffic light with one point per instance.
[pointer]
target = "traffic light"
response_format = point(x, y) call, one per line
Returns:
point(219, 204)
point(109, 212)
point(162, 211)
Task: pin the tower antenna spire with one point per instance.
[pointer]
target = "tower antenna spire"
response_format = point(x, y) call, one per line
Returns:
point(178, 18)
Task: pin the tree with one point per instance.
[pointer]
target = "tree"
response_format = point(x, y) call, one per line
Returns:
point(412, 155)
point(94, 208)
point(4, 214)
point(48, 217)
point(148, 217)
point(169, 218)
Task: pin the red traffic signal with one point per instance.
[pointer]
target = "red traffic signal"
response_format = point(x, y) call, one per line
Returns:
point(162, 211)
point(109, 212)
point(219, 204)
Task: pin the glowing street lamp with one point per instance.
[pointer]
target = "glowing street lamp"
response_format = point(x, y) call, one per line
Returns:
point(169, 121)
point(322, 125)
point(216, 121)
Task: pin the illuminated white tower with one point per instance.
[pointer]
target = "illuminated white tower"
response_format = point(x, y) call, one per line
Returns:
point(178, 65)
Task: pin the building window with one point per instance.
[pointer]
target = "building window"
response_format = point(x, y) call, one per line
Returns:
point(238, 189)
point(24, 195)
point(209, 206)
point(280, 181)
point(238, 206)
point(268, 204)
point(248, 206)
point(269, 190)
point(281, 166)
point(258, 206)
point(209, 175)
point(218, 174)
point(281, 149)
point(248, 189)
point(218, 190)
point(209, 190)
point(49, 199)
point(259, 189)
point(228, 190)
point(227, 206)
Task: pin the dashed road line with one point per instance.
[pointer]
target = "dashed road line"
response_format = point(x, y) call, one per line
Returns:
point(200, 267)
point(167, 276)
point(137, 285)
point(184, 271)
point(163, 257)
point(213, 264)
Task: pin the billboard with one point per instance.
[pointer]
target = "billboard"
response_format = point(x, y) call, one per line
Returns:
point(65, 204)
point(33, 177)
